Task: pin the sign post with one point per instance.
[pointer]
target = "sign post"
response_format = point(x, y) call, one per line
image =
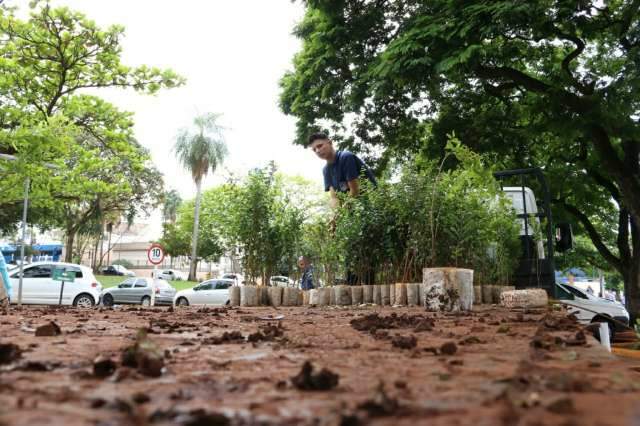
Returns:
point(155, 254)
point(62, 275)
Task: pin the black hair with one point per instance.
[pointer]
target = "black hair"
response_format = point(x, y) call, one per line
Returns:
point(317, 136)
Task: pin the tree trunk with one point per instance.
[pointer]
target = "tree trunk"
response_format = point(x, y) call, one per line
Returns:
point(194, 239)
point(68, 256)
point(632, 290)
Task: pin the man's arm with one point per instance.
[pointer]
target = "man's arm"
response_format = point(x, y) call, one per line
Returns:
point(354, 187)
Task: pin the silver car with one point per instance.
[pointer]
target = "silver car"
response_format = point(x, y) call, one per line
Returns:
point(137, 290)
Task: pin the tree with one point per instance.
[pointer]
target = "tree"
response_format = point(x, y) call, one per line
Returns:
point(550, 83)
point(172, 202)
point(199, 153)
point(77, 150)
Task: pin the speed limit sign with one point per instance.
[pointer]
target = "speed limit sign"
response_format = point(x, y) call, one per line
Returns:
point(155, 253)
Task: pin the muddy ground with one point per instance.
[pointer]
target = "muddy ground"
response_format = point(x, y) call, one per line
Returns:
point(315, 366)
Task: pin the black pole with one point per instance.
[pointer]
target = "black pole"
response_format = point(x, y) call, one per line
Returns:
point(61, 290)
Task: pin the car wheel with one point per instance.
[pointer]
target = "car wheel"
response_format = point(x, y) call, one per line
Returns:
point(146, 301)
point(107, 300)
point(612, 328)
point(183, 302)
point(83, 301)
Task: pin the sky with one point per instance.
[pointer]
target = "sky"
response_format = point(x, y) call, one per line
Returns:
point(232, 54)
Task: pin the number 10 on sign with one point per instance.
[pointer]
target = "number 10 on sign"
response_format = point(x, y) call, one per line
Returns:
point(155, 253)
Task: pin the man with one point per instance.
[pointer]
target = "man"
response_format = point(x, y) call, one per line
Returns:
point(343, 168)
point(306, 280)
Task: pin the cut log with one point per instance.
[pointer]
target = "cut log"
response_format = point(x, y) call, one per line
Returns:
point(289, 296)
point(263, 296)
point(367, 294)
point(447, 289)
point(342, 295)
point(305, 297)
point(248, 295)
point(392, 294)
point(412, 294)
point(384, 294)
point(300, 297)
point(314, 296)
point(234, 296)
point(356, 295)
point(401, 294)
point(332, 296)
point(275, 296)
point(477, 294)
point(325, 296)
point(529, 298)
point(487, 294)
point(377, 294)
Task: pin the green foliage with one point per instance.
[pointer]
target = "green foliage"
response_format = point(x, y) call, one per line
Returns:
point(551, 84)
point(429, 217)
point(77, 150)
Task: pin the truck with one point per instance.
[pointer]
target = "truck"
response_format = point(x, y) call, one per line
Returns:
point(540, 239)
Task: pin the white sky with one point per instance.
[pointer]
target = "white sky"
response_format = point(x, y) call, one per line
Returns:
point(232, 53)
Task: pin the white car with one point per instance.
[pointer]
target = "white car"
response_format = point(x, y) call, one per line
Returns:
point(38, 286)
point(172, 275)
point(282, 281)
point(210, 292)
point(590, 308)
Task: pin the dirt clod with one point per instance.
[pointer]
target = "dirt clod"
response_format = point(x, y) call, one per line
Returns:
point(404, 342)
point(562, 406)
point(448, 348)
point(227, 337)
point(103, 366)
point(144, 355)
point(306, 380)
point(50, 329)
point(9, 353)
point(380, 405)
point(140, 398)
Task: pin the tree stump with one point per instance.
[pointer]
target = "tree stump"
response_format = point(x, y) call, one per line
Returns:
point(275, 296)
point(300, 297)
point(324, 296)
point(342, 295)
point(401, 294)
point(248, 295)
point(413, 296)
point(263, 296)
point(529, 298)
point(447, 289)
point(234, 296)
point(332, 296)
point(384, 295)
point(367, 294)
point(356, 295)
point(377, 294)
point(305, 297)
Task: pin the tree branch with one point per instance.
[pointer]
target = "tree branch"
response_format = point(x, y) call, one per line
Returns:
point(593, 234)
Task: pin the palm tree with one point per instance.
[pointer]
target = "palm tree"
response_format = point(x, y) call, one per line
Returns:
point(172, 202)
point(200, 152)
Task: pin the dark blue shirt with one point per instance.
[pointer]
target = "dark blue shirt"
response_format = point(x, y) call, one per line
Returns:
point(306, 281)
point(345, 168)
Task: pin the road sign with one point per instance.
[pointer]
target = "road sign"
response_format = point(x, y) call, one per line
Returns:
point(61, 274)
point(155, 253)
point(65, 276)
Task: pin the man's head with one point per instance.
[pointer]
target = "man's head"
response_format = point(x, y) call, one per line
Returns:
point(303, 262)
point(322, 146)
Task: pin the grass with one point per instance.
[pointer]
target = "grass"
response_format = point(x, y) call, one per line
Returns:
point(112, 281)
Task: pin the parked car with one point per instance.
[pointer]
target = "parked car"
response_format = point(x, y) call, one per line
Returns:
point(211, 292)
point(138, 291)
point(118, 270)
point(282, 281)
point(172, 275)
point(238, 279)
point(38, 286)
point(590, 308)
